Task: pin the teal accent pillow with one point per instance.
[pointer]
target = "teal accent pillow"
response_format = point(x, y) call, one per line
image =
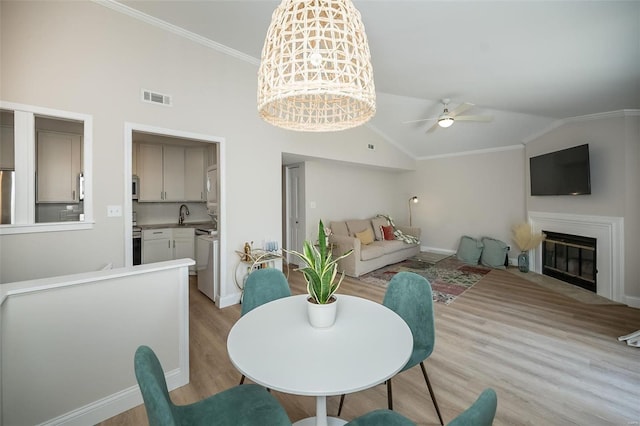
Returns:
point(494, 253)
point(469, 250)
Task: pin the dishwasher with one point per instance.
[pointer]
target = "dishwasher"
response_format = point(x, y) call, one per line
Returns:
point(207, 263)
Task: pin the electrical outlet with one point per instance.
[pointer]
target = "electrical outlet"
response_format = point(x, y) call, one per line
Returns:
point(114, 211)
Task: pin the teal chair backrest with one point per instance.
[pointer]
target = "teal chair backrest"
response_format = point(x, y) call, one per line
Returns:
point(481, 413)
point(262, 286)
point(381, 418)
point(410, 296)
point(160, 409)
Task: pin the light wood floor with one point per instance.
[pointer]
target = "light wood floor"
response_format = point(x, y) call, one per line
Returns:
point(551, 359)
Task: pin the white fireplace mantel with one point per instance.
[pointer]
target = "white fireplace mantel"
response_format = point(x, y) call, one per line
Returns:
point(609, 233)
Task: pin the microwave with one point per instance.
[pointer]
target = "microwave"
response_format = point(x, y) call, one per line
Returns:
point(135, 187)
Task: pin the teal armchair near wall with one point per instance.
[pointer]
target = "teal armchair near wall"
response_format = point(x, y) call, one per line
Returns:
point(481, 413)
point(245, 405)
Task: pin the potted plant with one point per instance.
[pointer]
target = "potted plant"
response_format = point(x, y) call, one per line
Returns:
point(320, 273)
point(526, 240)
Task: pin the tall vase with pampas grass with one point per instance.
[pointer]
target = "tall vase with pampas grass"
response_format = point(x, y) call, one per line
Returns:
point(526, 240)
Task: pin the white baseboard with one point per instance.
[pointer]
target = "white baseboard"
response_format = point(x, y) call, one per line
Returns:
point(437, 250)
point(114, 404)
point(632, 301)
point(231, 299)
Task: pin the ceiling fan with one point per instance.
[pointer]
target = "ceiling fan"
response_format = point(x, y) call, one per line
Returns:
point(446, 119)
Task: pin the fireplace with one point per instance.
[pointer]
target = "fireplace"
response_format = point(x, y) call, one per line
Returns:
point(570, 258)
point(607, 230)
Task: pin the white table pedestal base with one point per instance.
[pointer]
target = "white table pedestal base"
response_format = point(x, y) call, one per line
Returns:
point(321, 418)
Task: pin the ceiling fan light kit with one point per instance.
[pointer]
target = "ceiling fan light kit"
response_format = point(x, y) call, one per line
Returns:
point(315, 72)
point(446, 119)
point(445, 122)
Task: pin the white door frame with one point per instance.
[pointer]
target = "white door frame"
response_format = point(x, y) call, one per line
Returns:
point(129, 128)
point(298, 198)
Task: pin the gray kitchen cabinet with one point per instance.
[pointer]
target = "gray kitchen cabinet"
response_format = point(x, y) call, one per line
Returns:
point(150, 173)
point(173, 168)
point(170, 173)
point(6, 148)
point(58, 167)
point(195, 159)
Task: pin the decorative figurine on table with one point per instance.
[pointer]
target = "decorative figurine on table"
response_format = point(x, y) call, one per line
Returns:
point(247, 253)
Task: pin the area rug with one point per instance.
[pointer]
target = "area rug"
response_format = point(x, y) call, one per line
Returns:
point(449, 277)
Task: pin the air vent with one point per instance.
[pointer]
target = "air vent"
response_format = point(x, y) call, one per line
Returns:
point(156, 98)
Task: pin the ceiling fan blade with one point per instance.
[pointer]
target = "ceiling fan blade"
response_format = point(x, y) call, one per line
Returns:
point(461, 108)
point(474, 118)
point(418, 121)
point(432, 128)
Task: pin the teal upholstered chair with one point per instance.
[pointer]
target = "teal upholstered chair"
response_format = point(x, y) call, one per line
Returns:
point(262, 286)
point(241, 405)
point(409, 295)
point(481, 413)
point(381, 418)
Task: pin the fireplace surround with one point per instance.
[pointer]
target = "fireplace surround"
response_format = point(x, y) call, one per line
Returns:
point(606, 230)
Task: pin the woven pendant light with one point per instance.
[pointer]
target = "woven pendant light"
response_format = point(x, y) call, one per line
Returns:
point(315, 74)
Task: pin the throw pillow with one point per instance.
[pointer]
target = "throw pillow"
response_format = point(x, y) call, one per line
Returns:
point(365, 237)
point(493, 253)
point(377, 222)
point(387, 231)
point(469, 250)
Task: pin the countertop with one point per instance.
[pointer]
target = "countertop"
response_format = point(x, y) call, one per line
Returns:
point(206, 225)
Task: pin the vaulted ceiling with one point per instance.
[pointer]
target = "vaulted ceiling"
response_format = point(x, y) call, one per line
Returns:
point(526, 63)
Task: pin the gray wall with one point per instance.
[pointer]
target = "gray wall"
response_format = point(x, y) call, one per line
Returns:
point(342, 191)
point(84, 57)
point(98, 64)
point(479, 194)
point(614, 150)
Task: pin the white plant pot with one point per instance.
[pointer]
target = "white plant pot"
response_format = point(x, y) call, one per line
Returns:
point(322, 316)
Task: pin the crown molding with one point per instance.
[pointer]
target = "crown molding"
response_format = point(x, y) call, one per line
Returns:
point(119, 7)
point(583, 118)
point(474, 152)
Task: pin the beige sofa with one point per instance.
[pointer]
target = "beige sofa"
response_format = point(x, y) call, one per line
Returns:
point(368, 257)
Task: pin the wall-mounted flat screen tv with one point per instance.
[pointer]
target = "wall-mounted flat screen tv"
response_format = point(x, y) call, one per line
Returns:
point(564, 172)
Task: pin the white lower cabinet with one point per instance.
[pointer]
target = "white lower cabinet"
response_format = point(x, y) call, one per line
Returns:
point(184, 245)
point(167, 244)
point(156, 245)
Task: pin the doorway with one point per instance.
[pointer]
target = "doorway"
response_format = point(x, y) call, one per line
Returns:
point(294, 208)
point(150, 134)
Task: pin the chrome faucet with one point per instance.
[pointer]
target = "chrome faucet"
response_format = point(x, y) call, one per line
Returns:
point(181, 214)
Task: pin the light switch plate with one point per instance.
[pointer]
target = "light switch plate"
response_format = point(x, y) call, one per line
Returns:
point(114, 211)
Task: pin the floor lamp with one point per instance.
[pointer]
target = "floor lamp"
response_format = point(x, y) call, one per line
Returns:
point(413, 200)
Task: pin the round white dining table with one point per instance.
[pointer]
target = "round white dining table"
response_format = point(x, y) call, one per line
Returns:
point(275, 346)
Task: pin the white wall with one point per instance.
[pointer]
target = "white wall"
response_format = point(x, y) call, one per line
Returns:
point(97, 65)
point(342, 191)
point(614, 151)
point(68, 342)
point(606, 139)
point(477, 194)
